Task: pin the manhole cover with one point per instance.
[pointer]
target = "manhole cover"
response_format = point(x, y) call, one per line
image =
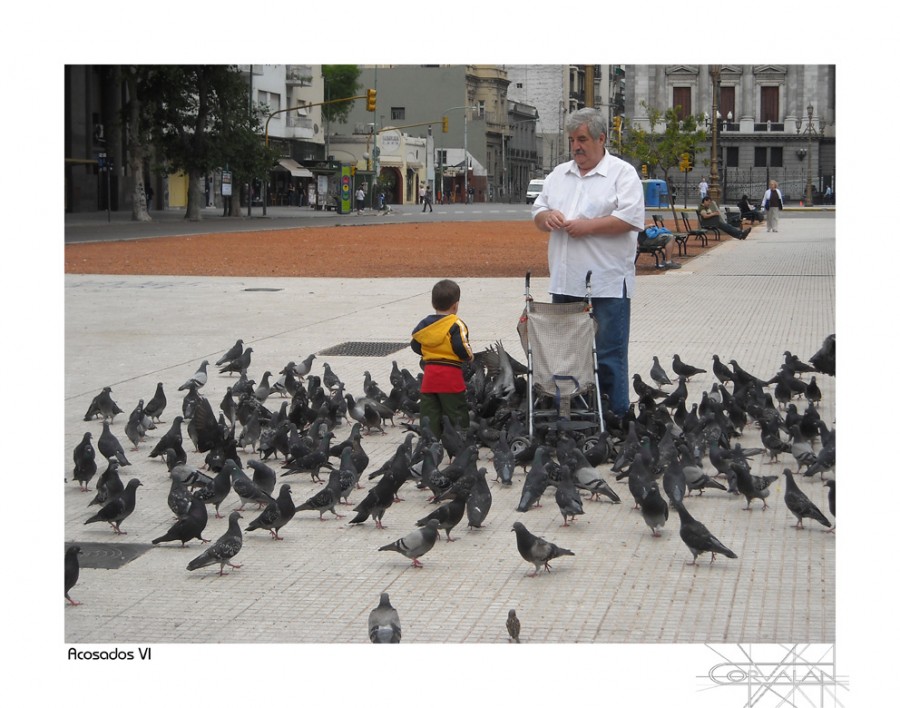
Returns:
point(109, 556)
point(364, 349)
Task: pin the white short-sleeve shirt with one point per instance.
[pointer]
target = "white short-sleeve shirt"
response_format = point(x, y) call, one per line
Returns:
point(611, 188)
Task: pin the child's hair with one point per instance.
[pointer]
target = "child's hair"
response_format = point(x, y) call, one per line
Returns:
point(444, 295)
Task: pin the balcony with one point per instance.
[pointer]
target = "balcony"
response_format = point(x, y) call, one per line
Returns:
point(298, 75)
point(768, 127)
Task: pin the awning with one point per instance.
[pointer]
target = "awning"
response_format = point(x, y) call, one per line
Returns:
point(295, 168)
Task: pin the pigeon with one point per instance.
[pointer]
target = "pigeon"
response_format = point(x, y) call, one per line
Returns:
point(824, 360)
point(188, 527)
point(103, 405)
point(172, 438)
point(832, 486)
point(799, 504)
point(138, 424)
point(698, 539)
point(654, 509)
point(513, 626)
point(276, 514)
point(503, 461)
point(264, 476)
point(448, 516)
point(802, 449)
point(236, 350)
point(536, 482)
point(329, 379)
point(156, 405)
point(198, 379)
point(264, 388)
point(304, 367)
point(721, 371)
point(239, 364)
point(478, 503)
point(85, 462)
point(674, 483)
point(416, 543)
point(226, 547)
point(215, 491)
point(658, 373)
point(813, 393)
point(326, 498)
point(109, 484)
point(644, 390)
point(536, 550)
point(109, 446)
point(115, 511)
point(752, 486)
point(72, 571)
point(567, 497)
point(685, 370)
point(384, 623)
point(179, 498)
point(244, 487)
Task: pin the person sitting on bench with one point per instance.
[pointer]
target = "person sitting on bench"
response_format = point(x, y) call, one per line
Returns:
point(711, 218)
point(748, 211)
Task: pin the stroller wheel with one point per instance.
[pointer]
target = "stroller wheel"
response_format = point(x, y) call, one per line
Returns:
point(589, 443)
point(518, 445)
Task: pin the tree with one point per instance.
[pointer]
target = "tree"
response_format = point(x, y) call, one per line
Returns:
point(340, 81)
point(663, 145)
point(137, 131)
point(202, 119)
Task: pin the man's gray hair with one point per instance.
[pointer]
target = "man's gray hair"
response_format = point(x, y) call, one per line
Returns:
point(590, 117)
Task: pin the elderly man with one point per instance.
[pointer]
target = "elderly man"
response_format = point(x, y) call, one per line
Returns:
point(593, 207)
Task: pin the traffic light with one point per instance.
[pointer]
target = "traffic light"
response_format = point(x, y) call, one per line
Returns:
point(445, 125)
point(644, 169)
point(370, 100)
point(617, 124)
point(685, 164)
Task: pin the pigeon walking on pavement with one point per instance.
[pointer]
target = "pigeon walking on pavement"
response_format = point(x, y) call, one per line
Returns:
point(416, 543)
point(536, 550)
point(197, 379)
point(799, 504)
point(109, 484)
point(479, 501)
point(109, 446)
point(226, 547)
point(448, 515)
point(832, 488)
point(326, 498)
point(276, 514)
point(157, 404)
point(568, 499)
point(233, 353)
point(658, 373)
point(85, 463)
point(188, 527)
point(73, 568)
point(752, 486)
point(686, 370)
point(103, 405)
point(698, 539)
point(115, 511)
point(654, 509)
point(384, 622)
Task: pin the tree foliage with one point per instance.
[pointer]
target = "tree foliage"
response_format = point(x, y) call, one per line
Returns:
point(340, 81)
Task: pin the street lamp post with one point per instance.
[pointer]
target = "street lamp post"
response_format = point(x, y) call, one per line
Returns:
point(715, 71)
point(810, 132)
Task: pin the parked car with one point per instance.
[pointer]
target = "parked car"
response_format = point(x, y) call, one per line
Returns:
point(534, 188)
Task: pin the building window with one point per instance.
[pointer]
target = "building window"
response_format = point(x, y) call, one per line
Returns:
point(731, 157)
point(768, 104)
point(776, 157)
point(270, 100)
point(681, 101)
point(398, 113)
point(760, 155)
point(726, 102)
point(768, 157)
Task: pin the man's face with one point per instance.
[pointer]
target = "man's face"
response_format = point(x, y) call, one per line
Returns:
point(586, 151)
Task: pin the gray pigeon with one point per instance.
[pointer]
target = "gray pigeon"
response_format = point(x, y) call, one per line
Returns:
point(239, 364)
point(103, 405)
point(513, 626)
point(654, 509)
point(587, 477)
point(658, 373)
point(536, 482)
point(109, 484)
point(215, 491)
point(304, 367)
point(276, 514)
point(115, 511)
point(138, 424)
point(832, 488)
point(478, 503)
point(799, 504)
point(698, 539)
point(244, 487)
point(109, 446)
point(536, 550)
point(685, 370)
point(72, 570)
point(156, 405)
point(179, 498)
point(752, 486)
point(568, 498)
point(198, 379)
point(264, 476)
point(85, 462)
point(416, 543)
point(326, 498)
point(384, 623)
point(224, 549)
point(236, 350)
point(447, 515)
point(188, 527)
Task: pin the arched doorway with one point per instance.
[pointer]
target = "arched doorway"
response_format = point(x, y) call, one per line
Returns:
point(390, 182)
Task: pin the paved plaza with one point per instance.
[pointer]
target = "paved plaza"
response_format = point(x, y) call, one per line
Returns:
point(749, 301)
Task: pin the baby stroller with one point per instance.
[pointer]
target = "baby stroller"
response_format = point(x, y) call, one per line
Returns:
point(563, 385)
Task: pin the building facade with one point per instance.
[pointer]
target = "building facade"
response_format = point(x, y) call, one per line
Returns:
point(775, 122)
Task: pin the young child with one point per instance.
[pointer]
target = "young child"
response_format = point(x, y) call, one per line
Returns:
point(442, 340)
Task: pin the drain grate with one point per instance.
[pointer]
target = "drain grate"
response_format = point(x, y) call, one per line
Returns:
point(364, 349)
point(109, 556)
point(262, 290)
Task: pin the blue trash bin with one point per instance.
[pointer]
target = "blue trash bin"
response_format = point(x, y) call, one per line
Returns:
point(656, 193)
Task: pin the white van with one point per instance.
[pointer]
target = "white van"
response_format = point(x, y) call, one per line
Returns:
point(534, 188)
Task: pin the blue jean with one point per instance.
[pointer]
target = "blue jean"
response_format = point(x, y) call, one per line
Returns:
point(613, 315)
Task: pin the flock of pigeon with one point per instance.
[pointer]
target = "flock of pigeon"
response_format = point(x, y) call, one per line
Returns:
point(664, 441)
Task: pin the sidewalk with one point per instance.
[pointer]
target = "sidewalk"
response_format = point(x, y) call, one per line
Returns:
point(748, 300)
